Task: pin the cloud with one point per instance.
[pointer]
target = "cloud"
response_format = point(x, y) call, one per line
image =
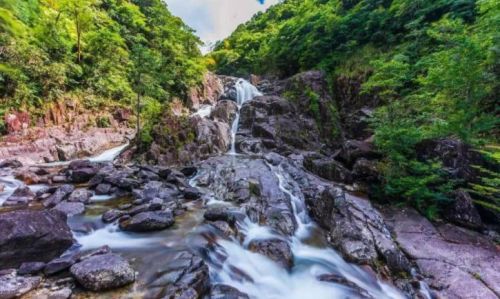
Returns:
point(214, 20)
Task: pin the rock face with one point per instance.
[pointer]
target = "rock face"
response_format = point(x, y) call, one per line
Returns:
point(32, 236)
point(65, 132)
point(103, 272)
point(252, 185)
point(356, 228)
point(189, 140)
point(207, 93)
point(456, 262)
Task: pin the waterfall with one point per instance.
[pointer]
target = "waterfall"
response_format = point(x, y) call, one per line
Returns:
point(245, 91)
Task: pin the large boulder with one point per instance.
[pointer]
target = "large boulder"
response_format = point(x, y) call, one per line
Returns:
point(32, 236)
point(103, 272)
point(356, 228)
point(278, 125)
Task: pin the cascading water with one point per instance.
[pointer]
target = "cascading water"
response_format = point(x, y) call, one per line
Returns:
point(233, 263)
point(245, 91)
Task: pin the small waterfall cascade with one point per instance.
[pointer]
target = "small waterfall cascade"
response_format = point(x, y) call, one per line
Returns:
point(233, 263)
point(245, 91)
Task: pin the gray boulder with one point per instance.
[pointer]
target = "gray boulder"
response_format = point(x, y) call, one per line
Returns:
point(103, 272)
point(32, 236)
point(148, 221)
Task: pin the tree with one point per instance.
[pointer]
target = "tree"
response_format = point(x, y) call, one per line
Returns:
point(82, 13)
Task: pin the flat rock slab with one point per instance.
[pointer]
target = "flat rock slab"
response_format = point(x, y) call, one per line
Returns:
point(458, 263)
point(14, 286)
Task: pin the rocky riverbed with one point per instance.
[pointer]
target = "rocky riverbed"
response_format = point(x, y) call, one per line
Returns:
point(281, 216)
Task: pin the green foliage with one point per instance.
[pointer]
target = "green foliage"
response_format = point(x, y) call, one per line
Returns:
point(103, 122)
point(54, 48)
point(151, 112)
point(434, 64)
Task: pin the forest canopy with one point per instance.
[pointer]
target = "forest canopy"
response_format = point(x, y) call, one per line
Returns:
point(105, 51)
point(433, 64)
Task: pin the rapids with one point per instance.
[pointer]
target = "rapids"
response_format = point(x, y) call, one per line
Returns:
point(250, 272)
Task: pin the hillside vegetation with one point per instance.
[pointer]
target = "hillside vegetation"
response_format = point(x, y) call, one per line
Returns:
point(434, 66)
point(102, 52)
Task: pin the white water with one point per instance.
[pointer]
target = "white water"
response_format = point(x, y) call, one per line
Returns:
point(204, 111)
point(271, 281)
point(11, 184)
point(245, 92)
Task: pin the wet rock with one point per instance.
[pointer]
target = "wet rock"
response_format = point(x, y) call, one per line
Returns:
point(191, 193)
point(329, 169)
point(14, 286)
point(189, 171)
point(225, 111)
point(31, 268)
point(59, 195)
point(156, 189)
point(11, 163)
point(103, 189)
point(356, 229)
point(112, 215)
point(462, 211)
point(32, 236)
point(21, 196)
point(148, 221)
point(59, 264)
point(275, 249)
point(456, 262)
point(334, 278)
point(366, 171)
point(353, 150)
point(80, 196)
point(219, 214)
point(221, 291)
point(223, 227)
point(103, 272)
point(256, 188)
point(70, 208)
point(83, 175)
point(186, 276)
point(85, 255)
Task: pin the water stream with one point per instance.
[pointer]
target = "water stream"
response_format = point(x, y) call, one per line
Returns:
point(245, 92)
point(249, 272)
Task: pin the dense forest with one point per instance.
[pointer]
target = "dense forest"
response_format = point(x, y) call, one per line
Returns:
point(433, 64)
point(100, 52)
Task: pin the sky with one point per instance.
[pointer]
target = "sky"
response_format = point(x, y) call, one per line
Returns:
point(214, 20)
